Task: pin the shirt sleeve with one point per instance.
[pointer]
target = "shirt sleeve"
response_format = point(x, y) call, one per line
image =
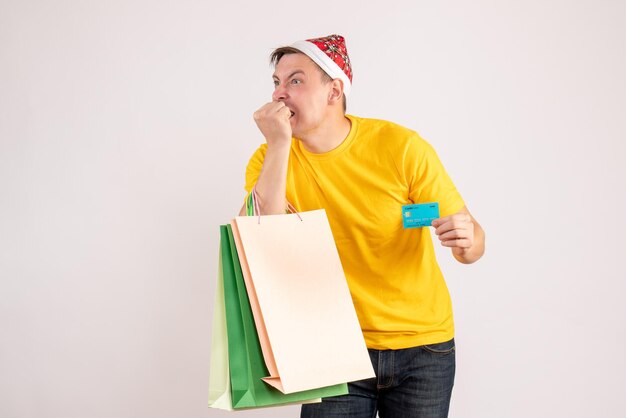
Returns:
point(428, 179)
point(253, 170)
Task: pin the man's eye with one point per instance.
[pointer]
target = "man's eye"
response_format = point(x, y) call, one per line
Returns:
point(275, 83)
point(296, 81)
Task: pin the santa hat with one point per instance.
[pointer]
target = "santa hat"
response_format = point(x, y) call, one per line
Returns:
point(331, 55)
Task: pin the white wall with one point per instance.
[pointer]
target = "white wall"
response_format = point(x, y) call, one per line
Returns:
point(125, 128)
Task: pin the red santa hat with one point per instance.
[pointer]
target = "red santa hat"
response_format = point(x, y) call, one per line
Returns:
point(331, 55)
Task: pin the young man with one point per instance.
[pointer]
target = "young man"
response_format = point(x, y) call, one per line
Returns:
point(362, 171)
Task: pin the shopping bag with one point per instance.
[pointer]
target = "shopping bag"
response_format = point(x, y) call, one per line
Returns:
point(303, 309)
point(219, 376)
point(245, 358)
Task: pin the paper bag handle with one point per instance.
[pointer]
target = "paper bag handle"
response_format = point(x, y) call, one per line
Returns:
point(252, 205)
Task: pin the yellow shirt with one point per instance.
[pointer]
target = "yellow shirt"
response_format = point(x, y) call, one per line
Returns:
point(399, 293)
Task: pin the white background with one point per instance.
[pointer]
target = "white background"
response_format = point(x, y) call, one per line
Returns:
point(125, 129)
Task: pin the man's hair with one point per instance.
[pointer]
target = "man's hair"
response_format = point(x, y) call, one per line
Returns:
point(278, 53)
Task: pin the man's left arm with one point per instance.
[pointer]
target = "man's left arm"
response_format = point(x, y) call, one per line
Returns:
point(463, 234)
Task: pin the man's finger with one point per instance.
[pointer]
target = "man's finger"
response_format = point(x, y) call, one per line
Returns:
point(462, 243)
point(440, 221)
point(454, 234)
point(446, 226)
point(452, 222)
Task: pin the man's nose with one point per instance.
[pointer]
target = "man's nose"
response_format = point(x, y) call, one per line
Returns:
point(280, 93)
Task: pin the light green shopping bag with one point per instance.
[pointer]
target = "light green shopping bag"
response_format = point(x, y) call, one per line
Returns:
point(219, 376)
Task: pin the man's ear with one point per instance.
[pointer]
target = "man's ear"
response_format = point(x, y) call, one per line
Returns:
point(336, 91)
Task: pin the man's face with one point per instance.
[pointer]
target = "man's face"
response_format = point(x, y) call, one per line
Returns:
point(298, 83)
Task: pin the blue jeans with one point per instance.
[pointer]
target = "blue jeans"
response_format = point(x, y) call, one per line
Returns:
point(410, 383)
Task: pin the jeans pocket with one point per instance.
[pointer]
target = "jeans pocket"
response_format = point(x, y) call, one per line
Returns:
point(444, 348)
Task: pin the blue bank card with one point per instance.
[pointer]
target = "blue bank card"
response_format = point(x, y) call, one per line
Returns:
point(419, 214)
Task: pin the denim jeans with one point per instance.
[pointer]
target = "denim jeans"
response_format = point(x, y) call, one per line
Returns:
point(410, 383)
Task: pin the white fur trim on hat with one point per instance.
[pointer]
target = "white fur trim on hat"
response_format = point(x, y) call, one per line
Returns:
point(329, 66)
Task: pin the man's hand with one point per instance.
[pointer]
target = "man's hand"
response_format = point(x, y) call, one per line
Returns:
point(273, 122)
point(462, 234)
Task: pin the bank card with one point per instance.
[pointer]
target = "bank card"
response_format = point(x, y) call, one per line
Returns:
point(419, 214)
